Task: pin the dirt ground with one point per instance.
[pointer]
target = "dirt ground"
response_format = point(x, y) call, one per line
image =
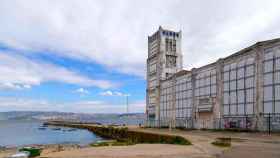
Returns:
point(244, 145)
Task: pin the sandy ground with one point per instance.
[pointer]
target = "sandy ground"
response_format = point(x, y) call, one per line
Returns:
point(134, 151)
point(245, 145)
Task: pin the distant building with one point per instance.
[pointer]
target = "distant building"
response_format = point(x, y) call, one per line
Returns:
point(239, 91)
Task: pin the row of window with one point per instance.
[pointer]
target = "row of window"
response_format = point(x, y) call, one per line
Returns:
point(239, 64)
point(239, 73)
point(170, 45)
point(239, 84)
point(168, 33)
point(184, 94)
point(186, 102)
point(238, 109)
point(179, 113)
point(240, 96)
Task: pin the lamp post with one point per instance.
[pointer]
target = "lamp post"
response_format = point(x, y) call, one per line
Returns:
point(127, 110)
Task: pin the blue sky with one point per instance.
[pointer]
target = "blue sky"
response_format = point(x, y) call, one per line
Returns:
point(54, 91)
point(87, 56)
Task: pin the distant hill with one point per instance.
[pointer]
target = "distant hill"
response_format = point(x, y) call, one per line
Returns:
point(39, 115)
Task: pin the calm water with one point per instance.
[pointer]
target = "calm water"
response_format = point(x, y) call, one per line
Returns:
point(19, 133)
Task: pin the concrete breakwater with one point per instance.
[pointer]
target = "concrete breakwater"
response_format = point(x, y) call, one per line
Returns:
point(123, 134)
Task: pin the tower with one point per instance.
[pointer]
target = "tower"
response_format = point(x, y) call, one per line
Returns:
point(164, 59)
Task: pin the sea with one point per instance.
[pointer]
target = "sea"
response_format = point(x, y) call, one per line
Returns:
point(15, 133)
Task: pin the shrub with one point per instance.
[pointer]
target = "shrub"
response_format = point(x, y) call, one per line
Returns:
point(122, 134)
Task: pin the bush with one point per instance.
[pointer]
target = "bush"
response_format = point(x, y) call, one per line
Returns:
point(122, 134)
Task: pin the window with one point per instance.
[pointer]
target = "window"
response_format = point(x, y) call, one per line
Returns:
point(233, 109)
point(277, 64)
point(241, 96)
point(233, 75)
point(249, 95)
point(240, 84)
point(268, 55)
point(240, 73)
point(277, 92)
point(249, 71)
point(267, 79)
point(268, 95)
point(239, 81)
point(226, 98)
point(249, 82)
point(268, 107)
point(249, 109)
point(268, 66)
point(233, 85)
point(277, 107)
point(277, 77)
point(232, 97)
point(226, 110)
point(241, 110)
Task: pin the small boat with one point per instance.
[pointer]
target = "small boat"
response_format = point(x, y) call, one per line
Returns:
point(42, 128)
point(45, 125)
point(56, 129)
point(72, 129)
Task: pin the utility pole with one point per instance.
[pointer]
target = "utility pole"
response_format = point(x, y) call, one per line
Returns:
point(127, 110)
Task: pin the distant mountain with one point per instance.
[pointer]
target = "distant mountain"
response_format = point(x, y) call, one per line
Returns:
point(39, 115)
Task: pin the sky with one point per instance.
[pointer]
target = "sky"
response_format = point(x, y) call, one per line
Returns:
point(89, 56)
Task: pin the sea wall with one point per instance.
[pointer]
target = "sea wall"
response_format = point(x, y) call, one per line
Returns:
point(124, 134)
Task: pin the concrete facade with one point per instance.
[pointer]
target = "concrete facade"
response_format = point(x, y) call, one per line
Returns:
point(239, 91)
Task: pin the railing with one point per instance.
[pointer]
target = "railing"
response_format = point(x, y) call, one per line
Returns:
point(271, 122)
point(267, 122)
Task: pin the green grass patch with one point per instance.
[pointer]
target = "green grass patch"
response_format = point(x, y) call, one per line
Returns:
point(99, 144)
point(222, 142)
point(118, 143)
point(112, 143)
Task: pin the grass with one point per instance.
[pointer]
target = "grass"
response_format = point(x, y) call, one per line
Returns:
point(111, 143)
point(118, 143)
point(222, 142)
point(99, 144)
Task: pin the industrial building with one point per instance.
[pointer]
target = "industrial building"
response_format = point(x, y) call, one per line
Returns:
point(238, 91)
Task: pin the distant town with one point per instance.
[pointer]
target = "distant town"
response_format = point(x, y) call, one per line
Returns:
point(39, 115)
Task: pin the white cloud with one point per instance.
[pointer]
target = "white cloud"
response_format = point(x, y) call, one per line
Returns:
point(91, 106)
point(13, 86)
point(113, 93)
point(18, 72)
point(82, 91)
point(21, 104)
point(107, 93)
point(92, 31)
